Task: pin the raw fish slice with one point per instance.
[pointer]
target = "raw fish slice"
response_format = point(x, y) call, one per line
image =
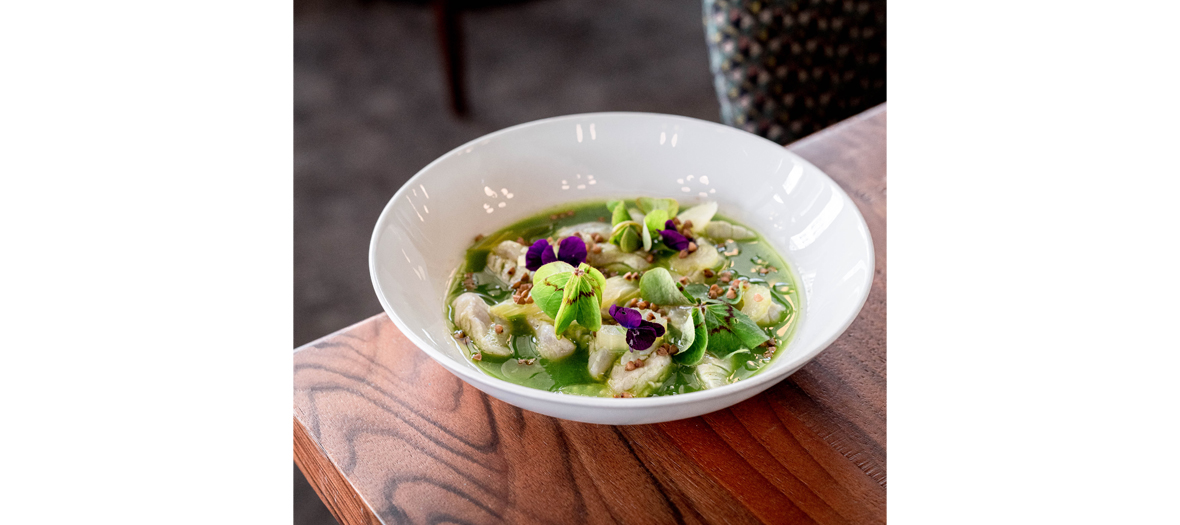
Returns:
point(506, 262)
point(720, 231)
point(586, 229)
point(712, 372)
point(641, 381)
point(471, 315)
point(605, 349)
point(548, 344)
point(612, 258)
point(618, 291)
point(693, 266)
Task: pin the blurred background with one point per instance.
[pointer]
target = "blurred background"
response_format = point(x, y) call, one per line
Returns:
point(384, 87)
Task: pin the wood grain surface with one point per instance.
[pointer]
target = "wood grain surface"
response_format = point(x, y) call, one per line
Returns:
point(386, 435)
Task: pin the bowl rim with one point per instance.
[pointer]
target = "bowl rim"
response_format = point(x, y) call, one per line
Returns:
point(764, 379)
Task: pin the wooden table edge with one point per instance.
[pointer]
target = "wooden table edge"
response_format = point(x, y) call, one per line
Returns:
point(347, 506)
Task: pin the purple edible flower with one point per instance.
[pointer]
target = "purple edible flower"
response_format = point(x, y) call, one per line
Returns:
point(643, 337)
point(627, 317)
point(674, 240)
point(640, 334)
point(539, 254)
point(572, 250)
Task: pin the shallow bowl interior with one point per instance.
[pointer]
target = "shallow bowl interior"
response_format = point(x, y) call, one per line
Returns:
point(493, 181)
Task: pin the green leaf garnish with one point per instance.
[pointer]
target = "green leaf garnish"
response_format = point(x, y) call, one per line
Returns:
point(618, 212)
point(647, 204)
point(729, 330)
point(741, 292)
point(581, 300)
point(646, 238)
point(626, 236)
point(657, 286)
point(697, 291)
point(655, 220)
point(629, 241)
point(596, 278)
point(549, 286)
point(695, 352)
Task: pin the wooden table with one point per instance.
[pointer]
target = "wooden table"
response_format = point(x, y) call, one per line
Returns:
point(384, 434)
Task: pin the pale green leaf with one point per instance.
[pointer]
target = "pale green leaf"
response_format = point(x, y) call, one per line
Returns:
point(657, 286)
point(580, 302)
point(629, 241)
point(596, 278)
point(625, 235)
point(655, 220)
point(647, 204)
point(549, 286)
point(697, 291)
point(618, 212)
point(694, 353)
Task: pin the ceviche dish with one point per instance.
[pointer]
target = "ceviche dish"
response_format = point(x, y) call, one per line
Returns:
point(626, 298)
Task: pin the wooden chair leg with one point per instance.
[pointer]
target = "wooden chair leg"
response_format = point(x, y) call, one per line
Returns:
point(446, 16)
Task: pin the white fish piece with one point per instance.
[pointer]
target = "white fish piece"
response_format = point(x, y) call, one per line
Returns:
point(605, 349)
point(548, 344)
point(617, 291)
point(713, 372)
point(760, 306)
point(721, 230)
point(680, 330)
point(612, 258)
point(641, 381)
point(700, 215)
point(693, 266)
point(507, 262)
point(471, 315)
point(586, 229)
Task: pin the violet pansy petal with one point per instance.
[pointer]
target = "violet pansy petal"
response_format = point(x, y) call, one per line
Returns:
point(535, 257)
point(548, 256)
point(643, 337)
point(674, 240)
point(572, 251)
point(669, 225)
point(627, 317)
point(657, 327)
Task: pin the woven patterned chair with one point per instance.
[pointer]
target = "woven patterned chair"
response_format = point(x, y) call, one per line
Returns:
point(786, 68)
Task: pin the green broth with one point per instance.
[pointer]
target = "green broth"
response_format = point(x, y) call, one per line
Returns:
point(571, 375)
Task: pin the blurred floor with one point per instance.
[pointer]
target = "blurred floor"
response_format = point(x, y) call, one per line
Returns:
point(370, 111)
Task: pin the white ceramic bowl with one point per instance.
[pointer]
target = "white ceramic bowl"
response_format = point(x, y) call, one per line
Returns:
point(495, 180)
